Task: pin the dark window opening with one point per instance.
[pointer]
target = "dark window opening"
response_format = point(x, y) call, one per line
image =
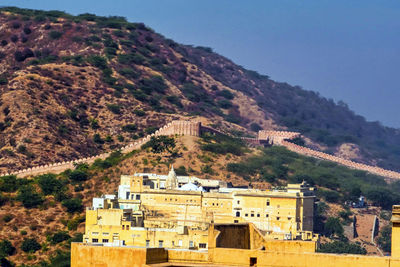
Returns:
point(253, 261)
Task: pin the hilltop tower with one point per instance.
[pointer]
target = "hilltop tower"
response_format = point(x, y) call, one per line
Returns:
point(172, 180)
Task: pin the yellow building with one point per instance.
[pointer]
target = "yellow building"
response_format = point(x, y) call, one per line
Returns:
point(164, 211)
point(234, 244)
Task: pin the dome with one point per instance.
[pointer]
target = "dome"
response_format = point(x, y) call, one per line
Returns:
point(190, 187)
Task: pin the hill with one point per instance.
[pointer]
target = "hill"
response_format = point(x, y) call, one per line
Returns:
point(74, 86)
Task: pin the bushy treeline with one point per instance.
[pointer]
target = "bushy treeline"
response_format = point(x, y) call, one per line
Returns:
point(337, 183)
point(222, 144)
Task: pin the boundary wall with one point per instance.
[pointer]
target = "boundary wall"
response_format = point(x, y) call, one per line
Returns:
point(194, 128)
point(89, 255)
point(178, 127)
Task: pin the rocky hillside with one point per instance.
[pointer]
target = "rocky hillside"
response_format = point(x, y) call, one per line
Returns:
point(74, 86)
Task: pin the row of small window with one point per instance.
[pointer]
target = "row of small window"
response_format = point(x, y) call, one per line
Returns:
point(187, 200)
point(266, 203)
point(125, 227)
point(96, 240)
point(213, 204)
point(251, 214)
point(258, 215)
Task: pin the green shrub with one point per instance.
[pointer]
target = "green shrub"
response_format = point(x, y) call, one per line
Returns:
point(59, 237)
point(333, 227)
point(222, 144)
point(226, 94)
point(29, 197)
point(8, 183)
point(159, 144)
point(30, 245)
point(384, 239)
point(129, 128)
point(72, 205)
point(78, 175)
point(225, 104)
point(129, 73)
point(181, 170)
point(73, 224)
point(154, 83)
point(55, 35)
point(49, 183)
point(97, 139)
point(114, 108)
point(8, 217)
point(342, 247)
point(129, 59)
point(139, 112)
point(173, 99)
point(98, 61)
point(6, 248)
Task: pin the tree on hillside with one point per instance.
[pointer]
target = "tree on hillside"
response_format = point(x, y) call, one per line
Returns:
point(49, 183)
point(29, 197)
point(159, 144)
point(333, 227)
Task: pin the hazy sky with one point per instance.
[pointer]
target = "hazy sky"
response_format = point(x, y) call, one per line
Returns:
point(346, 50)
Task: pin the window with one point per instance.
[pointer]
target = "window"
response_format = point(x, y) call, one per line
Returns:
point(252, 215)
point(267, 215)
point(123, 227)
point(238, 201)
point(191, 244)
point(137, 197)
point(105, 240)
point(258, 215)
point(238, 214)
point(268, 202)
point(95, 240)
point(180, 243)
point(247, 215)
point(235, 221)
point(173, 243)
point(147, 243)
point(132, 196)
point(253, 261)
point(127, 195)
point(277, 218)
point(160, 243)
point(202, 245)
point(289, 218)
point(127, 227)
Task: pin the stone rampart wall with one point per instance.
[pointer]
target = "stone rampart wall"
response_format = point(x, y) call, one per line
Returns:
point(276, 137)
point(192, 128)
point(355, 165)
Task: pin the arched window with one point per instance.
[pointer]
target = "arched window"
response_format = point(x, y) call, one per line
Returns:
point(238, 214)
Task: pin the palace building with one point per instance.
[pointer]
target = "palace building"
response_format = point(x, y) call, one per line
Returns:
point(176, 211)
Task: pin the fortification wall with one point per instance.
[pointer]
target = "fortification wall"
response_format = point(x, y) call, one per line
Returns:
point(276, 137)
point(355, 165)
point(178, 127)
point(194, 128)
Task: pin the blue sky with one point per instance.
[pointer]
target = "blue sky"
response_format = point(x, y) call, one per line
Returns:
point(346, 50)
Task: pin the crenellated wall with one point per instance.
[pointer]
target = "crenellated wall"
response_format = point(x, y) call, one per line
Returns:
point(355, 165)
point(179, 127)
point(194, 128)
point(276, 137)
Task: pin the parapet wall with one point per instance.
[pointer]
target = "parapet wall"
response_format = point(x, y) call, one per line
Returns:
point(178, 127)
point(194, 128)
point(355, 165)
point(276, 137)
